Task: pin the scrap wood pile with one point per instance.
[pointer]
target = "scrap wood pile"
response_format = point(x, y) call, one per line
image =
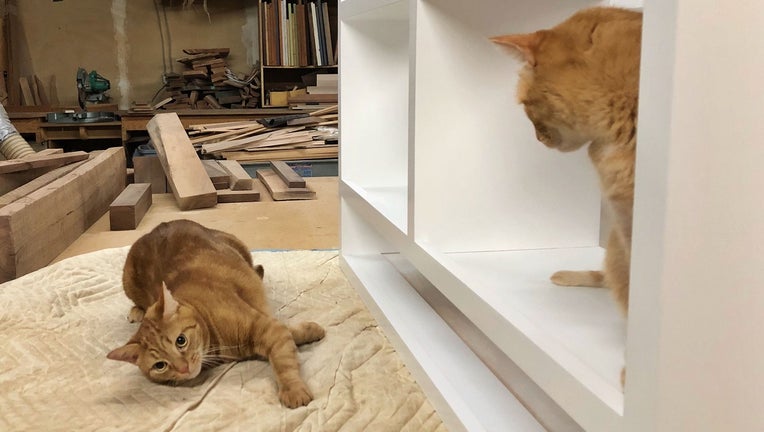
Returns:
point(199, 183)
point(208, 83)
point(300, 136)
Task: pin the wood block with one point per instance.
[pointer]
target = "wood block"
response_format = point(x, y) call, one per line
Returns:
point(185, 173)
point(231, 196)
point(37, 183)
point(239, 179)
point(148, 169)
point(39, 161)
point(217, 174)
point(36, 229)
point(279, 190)
point(290, 177)
point(127, 210)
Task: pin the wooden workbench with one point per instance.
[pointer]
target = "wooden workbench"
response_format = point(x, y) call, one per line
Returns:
point(136, 122)
point(28, 123)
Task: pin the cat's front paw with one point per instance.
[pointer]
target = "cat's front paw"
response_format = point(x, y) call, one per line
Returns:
point(578, 278)
point(295, 395)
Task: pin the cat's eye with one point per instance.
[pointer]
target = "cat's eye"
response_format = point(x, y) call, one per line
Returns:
point(160, 366)
point(181, 341)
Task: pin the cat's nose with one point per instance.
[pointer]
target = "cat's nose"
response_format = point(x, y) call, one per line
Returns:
point(183, 368)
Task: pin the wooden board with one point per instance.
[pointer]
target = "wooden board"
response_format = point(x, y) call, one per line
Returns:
point(290, 177)
point(37, 183)
point(279, 190)
point(185, 173)
point(128, 209)
point(40, 161)
point(148, 169)
point(33, 231)
point(43, 97)
point(231, 196)
point(26, 91)
point(219, 177)
point(239, 179)
point(11, 181)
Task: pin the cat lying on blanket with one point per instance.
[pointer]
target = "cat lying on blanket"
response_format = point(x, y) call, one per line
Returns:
point(201, 302)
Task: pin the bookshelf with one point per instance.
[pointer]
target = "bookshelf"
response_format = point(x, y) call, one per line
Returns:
point(297, 37)
point(450, 207)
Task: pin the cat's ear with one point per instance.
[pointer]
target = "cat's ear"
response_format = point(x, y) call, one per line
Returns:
point(168, 306)
point(127, 353)
point(526, 45)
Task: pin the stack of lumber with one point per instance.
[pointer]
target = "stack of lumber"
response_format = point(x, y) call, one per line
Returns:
point(208, 83)
point(283, 183)
point(282, 138)
point(324, 93)
point(42, 216)
point(33, 91)
point(236, 186)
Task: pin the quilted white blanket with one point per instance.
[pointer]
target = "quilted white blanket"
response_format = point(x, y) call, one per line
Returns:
point(57, 324)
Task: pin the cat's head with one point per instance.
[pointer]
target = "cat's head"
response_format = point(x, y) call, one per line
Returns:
point(562, 84)
point(170, 345)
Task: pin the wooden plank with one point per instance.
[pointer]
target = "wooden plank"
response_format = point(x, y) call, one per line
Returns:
point(220, 178)
point(53, 89)
point(148, 169)
point(26, 91)
point(279, 190)
point(290, 177)
point(39, 161)
point(232, 196)
point(37, 183)
point(34, 230)
point(318, 152)
point(185, 173)
point(43, 97)
point(239, 179)
point(128, 209)
point(46, 152)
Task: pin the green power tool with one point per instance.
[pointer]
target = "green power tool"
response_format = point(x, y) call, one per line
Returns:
point(91, 87)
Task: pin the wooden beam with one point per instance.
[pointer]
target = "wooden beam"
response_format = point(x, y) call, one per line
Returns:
point(188, 180)
point(40, 161)
point(290, 177)
point(279, 190)
point(239, 179)
point(37, 183)
point(34, 230)
point(127, 210)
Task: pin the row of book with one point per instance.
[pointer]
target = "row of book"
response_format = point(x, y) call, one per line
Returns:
point(299, 33)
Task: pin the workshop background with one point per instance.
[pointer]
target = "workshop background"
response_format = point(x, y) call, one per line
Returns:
point(131, 46)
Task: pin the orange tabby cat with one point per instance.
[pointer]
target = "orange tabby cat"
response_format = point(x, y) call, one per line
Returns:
point(580, 86)
point(201, 302)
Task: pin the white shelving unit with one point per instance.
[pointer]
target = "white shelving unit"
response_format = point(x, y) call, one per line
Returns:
point(440, 165)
